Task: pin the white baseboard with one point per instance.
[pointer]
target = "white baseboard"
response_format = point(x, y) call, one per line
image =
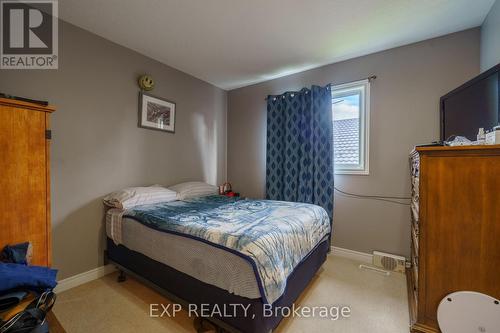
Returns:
point(353, 255)
point(79, 279)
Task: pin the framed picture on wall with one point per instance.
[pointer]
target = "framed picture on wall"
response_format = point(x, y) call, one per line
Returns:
point(156, 113)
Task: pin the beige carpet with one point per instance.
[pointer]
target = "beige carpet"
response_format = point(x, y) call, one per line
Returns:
point(378, 304)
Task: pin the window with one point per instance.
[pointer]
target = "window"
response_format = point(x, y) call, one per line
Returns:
point(351, 119)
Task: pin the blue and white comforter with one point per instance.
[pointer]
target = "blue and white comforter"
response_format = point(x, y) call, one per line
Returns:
point(274, 236)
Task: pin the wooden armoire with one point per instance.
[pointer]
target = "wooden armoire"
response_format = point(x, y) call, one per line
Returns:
point(25, 177)
point(455, 213)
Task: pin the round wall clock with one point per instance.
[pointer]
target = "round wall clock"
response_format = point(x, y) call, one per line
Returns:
point(146, 82)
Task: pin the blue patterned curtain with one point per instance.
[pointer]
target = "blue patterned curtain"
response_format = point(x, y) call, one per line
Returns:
point(299, 147)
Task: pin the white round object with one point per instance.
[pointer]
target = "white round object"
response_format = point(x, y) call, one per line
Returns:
point(469, 312)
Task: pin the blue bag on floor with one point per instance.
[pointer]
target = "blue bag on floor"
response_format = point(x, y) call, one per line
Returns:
point(32, 318)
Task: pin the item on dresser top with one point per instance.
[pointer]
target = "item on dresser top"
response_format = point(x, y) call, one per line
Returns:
point(189, 190)
point(135, 196)
point(17, 254)
point(14, 276)
point(481, 134)
point(22, 99)
point(459, 141)
point(493, 137)
point(432, 144)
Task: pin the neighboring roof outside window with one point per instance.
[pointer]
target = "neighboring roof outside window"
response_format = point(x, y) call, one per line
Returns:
point(346, 141)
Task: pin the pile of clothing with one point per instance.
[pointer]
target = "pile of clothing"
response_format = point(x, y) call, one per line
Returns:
point(26, 292)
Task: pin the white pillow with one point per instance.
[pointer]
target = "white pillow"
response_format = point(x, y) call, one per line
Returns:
point(193, 189)
point(135, 196)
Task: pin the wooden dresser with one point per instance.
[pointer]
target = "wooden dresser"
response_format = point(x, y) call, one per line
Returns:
point(25, 177)
point(455, 215)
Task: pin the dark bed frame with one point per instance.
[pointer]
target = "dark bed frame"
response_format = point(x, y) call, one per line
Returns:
point(184, 289)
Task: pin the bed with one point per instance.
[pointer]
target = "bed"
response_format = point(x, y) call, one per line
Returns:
point(223, 251)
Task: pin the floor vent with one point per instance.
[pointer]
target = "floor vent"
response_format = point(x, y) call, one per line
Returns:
point(389, 262)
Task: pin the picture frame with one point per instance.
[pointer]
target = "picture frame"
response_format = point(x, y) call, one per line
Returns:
point(156, 113)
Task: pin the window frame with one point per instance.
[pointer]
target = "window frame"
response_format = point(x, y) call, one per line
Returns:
point(363, 168)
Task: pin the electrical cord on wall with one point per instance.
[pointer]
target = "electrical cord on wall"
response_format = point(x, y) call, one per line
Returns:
point(390, 199)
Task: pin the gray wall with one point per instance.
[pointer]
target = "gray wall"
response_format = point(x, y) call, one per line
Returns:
point(490, 38)
point(98, 148)
point(404, 112)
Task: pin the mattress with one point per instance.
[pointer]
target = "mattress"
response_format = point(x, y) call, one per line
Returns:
point(271, 237)
point(202, 261)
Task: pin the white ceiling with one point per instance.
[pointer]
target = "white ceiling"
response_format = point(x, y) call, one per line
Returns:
point(234, 43)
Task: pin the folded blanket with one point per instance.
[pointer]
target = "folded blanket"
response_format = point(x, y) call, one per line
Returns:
point(15, 276)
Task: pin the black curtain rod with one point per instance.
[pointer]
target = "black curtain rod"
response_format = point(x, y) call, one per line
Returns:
point(369, 78)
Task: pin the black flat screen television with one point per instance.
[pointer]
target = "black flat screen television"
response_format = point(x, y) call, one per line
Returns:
point(471, 106)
